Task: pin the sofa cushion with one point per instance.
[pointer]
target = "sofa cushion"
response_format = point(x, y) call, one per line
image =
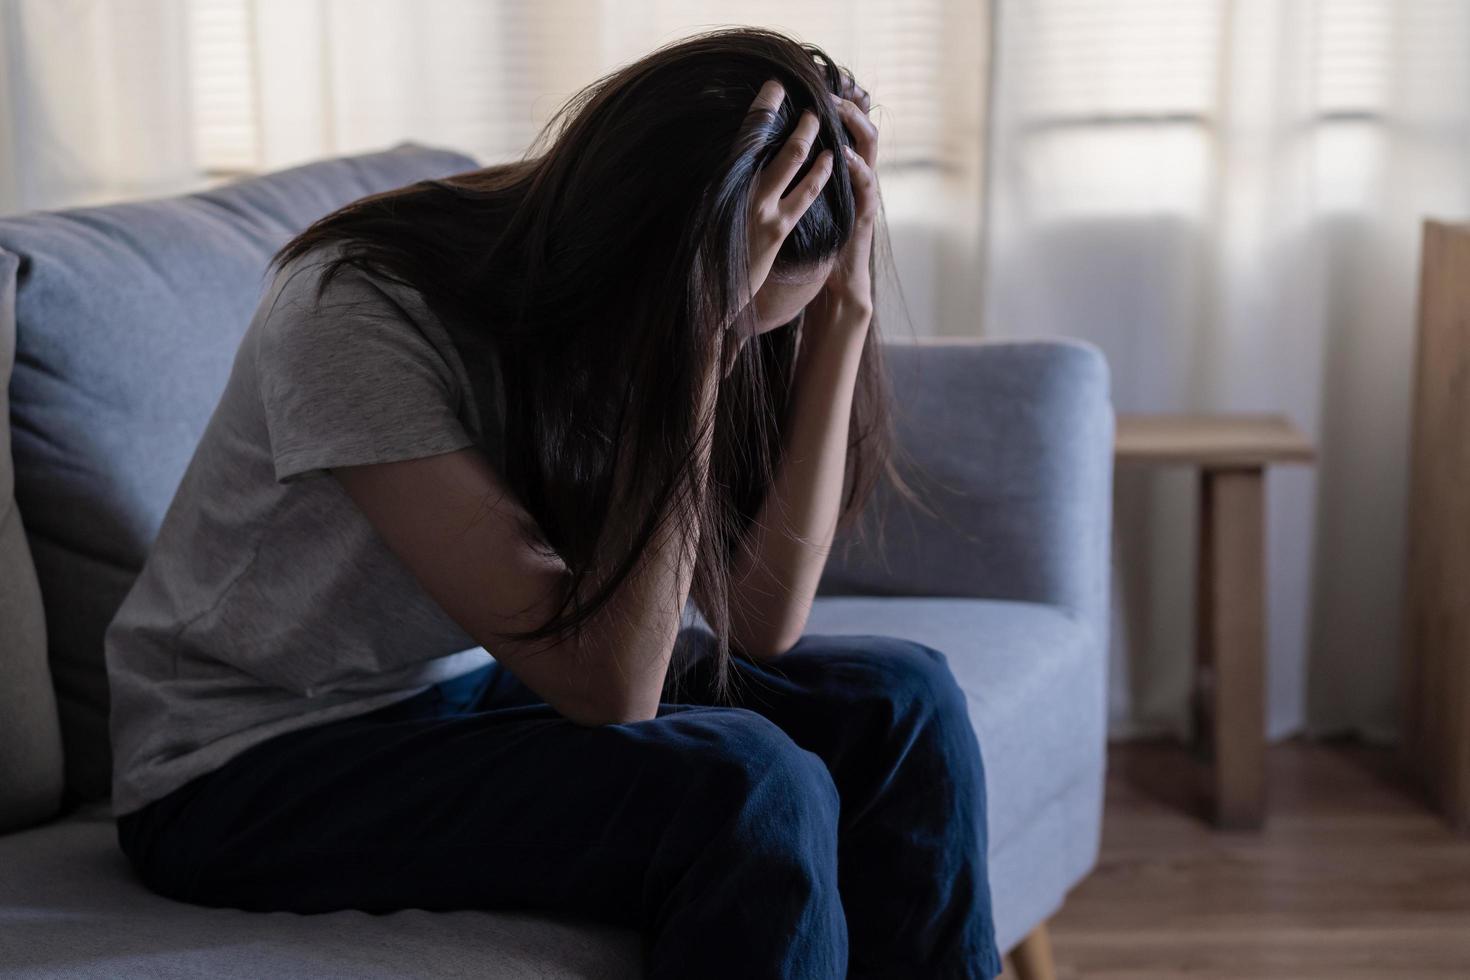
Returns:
point(70, 906)
point(1035, 680)
point(128, 317)
point(30, 737)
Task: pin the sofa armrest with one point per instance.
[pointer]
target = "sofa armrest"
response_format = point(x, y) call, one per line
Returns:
point(1010, 443)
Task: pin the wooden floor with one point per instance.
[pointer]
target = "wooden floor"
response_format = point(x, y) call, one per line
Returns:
point(1352, 878)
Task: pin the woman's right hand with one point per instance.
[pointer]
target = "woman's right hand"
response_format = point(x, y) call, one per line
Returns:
point(773, 212)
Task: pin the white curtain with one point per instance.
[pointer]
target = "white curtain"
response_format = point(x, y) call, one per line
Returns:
point(109, 99)
point(93, 102)
point(1227, 197)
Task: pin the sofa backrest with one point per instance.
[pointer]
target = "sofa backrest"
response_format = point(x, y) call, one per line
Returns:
point(1008, 444)
point(125, 320)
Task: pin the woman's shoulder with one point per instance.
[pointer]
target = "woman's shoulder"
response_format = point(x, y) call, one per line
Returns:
point(324, 270)
point(328, 290)
point(374, 326)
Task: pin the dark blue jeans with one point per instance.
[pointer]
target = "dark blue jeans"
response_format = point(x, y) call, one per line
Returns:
point(831, 824)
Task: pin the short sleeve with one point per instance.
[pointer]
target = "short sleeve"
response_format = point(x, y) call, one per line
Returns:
point(352, 378)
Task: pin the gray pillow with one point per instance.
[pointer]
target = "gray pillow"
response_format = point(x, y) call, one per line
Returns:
point(127, 318)
point(30, 736)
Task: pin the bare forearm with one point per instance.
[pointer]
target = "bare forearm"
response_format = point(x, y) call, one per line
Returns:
point(775, 578)
point(628, 646)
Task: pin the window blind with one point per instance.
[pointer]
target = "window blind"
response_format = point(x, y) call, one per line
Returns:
point(485, 76)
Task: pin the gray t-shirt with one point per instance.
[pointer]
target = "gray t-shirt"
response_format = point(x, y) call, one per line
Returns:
point(268, 602)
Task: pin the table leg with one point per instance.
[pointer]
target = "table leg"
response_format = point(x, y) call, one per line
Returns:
point(1232, 633)
point(1202, 707)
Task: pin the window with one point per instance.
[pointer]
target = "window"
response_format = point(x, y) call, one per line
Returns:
point(276, 83)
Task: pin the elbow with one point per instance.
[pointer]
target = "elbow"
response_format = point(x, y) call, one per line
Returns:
point(599, 718)
point(596, 712)
point(772, 644)
point(588, 688)
point(767, 652)
point(766, 634)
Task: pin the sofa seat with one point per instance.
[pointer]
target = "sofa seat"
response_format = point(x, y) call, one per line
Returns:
point(71, 907)
point(1035, 684)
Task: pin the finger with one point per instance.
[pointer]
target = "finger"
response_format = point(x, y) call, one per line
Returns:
point(856, 93)
point(764, 112)
point(767, 100)
point(864, 131)
point(795, 204)
point(788, 160)
point(864, 186)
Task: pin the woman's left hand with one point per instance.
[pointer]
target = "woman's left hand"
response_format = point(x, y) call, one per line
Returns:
point(846, 301)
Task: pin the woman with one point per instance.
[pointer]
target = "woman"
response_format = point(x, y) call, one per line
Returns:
point(539, 408)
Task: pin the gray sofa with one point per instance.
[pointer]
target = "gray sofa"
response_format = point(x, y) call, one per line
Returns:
point(117, 329)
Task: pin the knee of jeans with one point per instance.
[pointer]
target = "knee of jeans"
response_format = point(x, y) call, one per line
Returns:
point(745, 750)
point(913, 677)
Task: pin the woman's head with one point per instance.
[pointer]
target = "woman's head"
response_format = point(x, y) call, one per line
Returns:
point(657, 161)
point(602, 269)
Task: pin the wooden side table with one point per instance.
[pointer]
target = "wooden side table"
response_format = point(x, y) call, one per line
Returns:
point(1231, 453)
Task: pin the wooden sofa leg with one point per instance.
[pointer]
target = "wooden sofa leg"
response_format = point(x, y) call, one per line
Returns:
point(1031, 959)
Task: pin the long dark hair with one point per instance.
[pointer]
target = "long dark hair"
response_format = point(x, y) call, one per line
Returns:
point(600, 268)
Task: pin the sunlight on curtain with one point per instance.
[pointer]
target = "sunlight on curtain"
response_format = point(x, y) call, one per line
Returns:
point(1226, 196)
point(92, 102)
point(278, 82)
point(102, 101)
point(487, 75)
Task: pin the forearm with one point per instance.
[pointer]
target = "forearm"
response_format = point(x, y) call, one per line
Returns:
point(626, 649)
point(775, 578)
